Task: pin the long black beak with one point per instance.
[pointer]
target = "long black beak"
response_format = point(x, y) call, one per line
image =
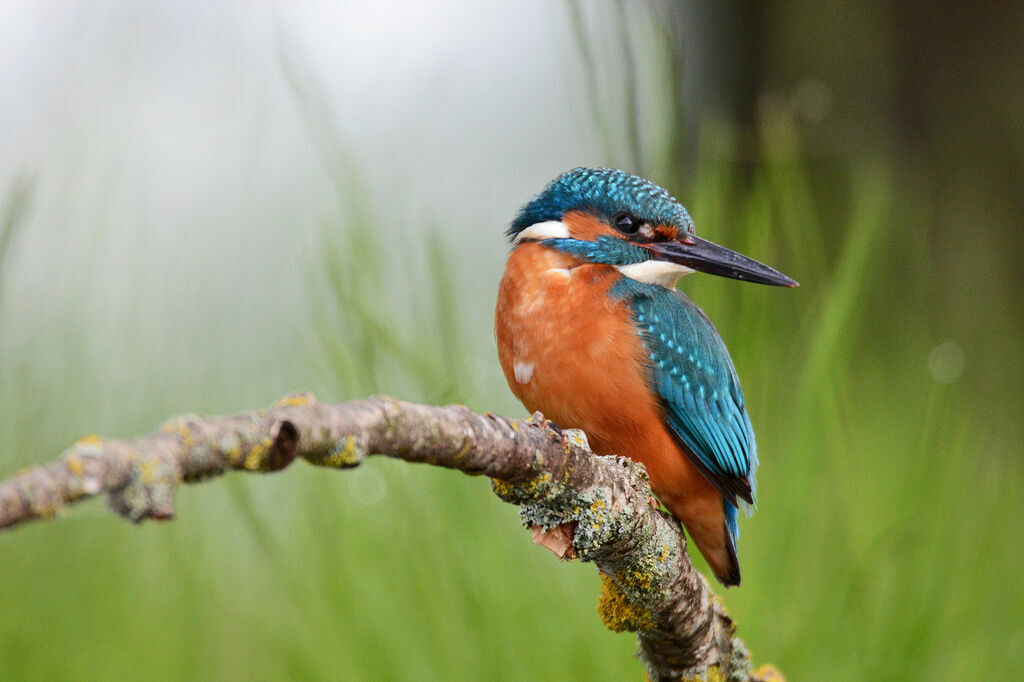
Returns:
point(700, 254)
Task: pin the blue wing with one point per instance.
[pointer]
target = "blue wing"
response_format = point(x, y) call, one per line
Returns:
point(691, 370)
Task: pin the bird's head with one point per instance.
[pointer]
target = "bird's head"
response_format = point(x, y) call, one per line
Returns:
point(600, 215)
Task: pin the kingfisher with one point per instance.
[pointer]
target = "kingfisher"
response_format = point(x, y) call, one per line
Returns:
point(593, 333)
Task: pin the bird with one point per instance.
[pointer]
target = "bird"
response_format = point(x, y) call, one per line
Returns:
point(592, 332)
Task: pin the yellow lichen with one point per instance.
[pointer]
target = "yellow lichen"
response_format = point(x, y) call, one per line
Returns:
point(294, 400)
point(577, 438)
point(75, 465)
point(639, 579)
point(179, 428)
point(664, 554)
point(711, 674)
point(147, 469)
point(527, 488)
point(533, 483)
point(344, 457)
point(769, 673)
point(617, 614)
point(718, 602)
point(254, 460)
point(596, 507)
point(502, 488)
point(90, 439)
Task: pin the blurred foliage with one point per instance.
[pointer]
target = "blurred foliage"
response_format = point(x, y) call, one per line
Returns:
point(13, 216)
point(887, 544)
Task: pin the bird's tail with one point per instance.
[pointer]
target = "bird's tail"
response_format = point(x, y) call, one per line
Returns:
point(731, 575)
point(711, 524)
point(715, 536)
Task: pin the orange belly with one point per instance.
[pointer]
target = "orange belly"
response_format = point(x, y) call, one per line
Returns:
point(571, 351)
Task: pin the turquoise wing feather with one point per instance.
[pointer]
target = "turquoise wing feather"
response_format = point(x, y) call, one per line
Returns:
point(690, 369)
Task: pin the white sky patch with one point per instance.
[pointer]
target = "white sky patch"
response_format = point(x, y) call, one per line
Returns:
point(655, 272)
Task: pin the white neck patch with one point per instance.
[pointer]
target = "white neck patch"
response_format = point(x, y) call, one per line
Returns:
point(655, 272)
point(550, 229)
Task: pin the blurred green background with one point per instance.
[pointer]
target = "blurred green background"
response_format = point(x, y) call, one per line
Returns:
point(207, 206)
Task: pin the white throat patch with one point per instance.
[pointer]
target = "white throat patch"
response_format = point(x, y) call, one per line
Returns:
point(655, 272)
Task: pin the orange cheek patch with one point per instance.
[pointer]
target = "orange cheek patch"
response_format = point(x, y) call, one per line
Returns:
point(585, 227)
point(667, 231)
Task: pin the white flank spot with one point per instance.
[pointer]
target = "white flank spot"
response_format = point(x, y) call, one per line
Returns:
point(561, 272)
point(655, 272)
point(551, 229)
point(523, 371)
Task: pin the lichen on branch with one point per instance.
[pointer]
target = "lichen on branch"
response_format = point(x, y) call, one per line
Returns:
point(598, 509)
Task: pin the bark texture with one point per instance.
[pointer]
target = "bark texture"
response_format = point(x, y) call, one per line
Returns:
point(596, 508)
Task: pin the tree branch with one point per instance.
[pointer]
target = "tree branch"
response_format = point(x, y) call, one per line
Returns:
point(600, 506)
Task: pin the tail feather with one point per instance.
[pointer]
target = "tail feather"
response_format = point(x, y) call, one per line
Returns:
point(732, 533)
point(714, 534)
point(711, 523)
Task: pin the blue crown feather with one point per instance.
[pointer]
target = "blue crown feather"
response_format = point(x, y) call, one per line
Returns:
point(602, 192)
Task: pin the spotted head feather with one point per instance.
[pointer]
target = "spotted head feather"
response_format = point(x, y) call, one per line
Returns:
point(603, 192)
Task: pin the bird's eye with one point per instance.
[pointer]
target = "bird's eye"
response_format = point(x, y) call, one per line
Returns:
point(625, 223)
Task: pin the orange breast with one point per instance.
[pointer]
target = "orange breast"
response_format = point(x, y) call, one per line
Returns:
point(571, 351)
